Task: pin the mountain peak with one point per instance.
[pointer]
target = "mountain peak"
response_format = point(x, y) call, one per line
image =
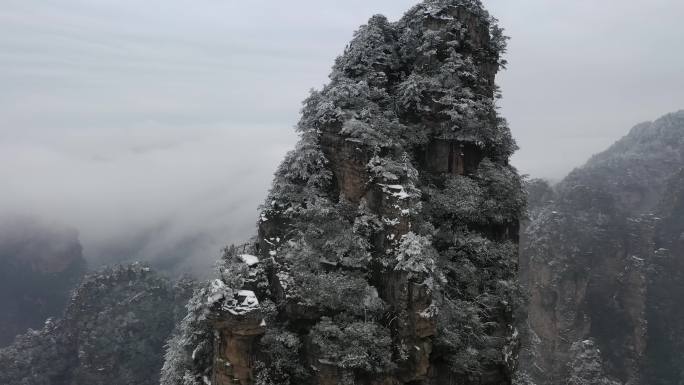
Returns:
point(387, 244)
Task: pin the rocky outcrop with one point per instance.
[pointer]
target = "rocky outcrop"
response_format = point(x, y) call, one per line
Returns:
point(386, 251)
point(238, 327)
point(596, 267)
point(113, 331)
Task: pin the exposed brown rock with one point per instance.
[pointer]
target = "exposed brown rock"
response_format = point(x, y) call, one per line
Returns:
point(348, 160)
point(237, 334)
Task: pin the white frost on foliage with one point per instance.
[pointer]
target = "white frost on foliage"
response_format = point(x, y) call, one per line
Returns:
point(217, 291)
point(396, 190)
point(249, 260)
point(415, 254)
point(285, 280)
point(430, 312)
point(391, 222)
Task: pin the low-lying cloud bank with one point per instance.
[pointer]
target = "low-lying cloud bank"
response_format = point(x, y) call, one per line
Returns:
point(169, 199)
point(154, 127)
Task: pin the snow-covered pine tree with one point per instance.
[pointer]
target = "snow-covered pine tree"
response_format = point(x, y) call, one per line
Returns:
point(586, 367)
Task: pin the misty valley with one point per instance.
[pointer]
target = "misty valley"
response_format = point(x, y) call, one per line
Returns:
point(398, 244)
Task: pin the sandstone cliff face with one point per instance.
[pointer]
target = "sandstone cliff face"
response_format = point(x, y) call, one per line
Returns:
point(386, 252)
point(594, 261)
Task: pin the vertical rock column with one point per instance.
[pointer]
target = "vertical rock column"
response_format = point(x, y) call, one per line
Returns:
point(237, 332)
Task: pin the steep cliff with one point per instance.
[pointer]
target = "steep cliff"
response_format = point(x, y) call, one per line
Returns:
point(664, 355)
point(113, 332)
point(601, 263)
point(387, 248)
point(39, 266)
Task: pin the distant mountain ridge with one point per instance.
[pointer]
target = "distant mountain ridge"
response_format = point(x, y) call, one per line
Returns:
point(601, 259)
point(636, 168)
point(113, 331)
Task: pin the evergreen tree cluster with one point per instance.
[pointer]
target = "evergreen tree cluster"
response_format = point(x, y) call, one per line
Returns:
point(323, 256)
point(113, 332)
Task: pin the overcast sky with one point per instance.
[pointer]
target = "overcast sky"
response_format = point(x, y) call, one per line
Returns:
point(154, 126)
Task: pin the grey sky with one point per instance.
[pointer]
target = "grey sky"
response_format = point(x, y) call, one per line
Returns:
point(154, 127)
